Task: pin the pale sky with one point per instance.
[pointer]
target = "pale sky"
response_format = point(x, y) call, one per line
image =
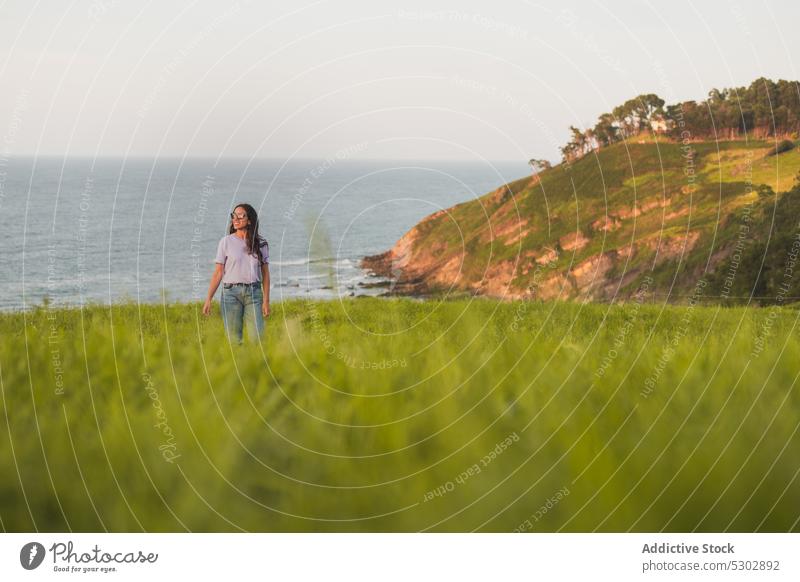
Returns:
point(413, 80)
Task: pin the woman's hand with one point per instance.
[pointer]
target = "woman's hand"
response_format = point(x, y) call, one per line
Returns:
point(216, 278)
point(265, 308)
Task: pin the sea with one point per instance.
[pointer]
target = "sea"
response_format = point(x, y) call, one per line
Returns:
point(78, 231)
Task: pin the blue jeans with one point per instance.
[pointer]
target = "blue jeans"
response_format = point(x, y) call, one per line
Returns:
point(239, 303)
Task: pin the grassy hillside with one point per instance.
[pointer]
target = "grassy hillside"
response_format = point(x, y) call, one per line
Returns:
point(595, 228)
point(401, 415)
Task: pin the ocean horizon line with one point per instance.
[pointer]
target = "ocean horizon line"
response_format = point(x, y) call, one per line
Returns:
point(28, 156)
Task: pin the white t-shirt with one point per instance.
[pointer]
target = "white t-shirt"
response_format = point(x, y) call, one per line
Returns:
point(240, 265)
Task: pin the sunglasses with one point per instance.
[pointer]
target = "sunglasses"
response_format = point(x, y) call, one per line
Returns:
point(238, 216)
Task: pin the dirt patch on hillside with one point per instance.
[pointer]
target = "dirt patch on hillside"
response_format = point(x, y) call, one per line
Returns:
point(626, 212)
point(677, 214)
point(546, 255)
point(607, 224)
point(496, 280)
point(552, 288)
point(672, 247)
point(507, 232)
point(573, 241)
point(590, 275)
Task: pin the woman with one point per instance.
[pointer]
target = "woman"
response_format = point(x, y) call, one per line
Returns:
point(243, 268)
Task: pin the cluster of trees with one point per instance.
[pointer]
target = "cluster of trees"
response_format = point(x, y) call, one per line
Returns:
point(643, 113)
point(765, 108)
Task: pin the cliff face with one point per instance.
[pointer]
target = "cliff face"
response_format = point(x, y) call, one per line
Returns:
point(663, 215)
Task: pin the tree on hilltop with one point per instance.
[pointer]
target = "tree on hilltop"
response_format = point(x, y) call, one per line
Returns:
point(539, 166)
point(763, 109)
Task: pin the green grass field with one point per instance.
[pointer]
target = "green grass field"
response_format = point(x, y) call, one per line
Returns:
point(402, 415)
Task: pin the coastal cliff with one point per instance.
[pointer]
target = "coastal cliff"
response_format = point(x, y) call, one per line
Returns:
point(640, 215)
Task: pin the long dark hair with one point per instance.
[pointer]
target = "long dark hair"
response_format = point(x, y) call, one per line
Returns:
point(254, 240)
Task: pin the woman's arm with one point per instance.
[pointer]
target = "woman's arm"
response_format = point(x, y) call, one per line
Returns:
point(216, 277)
point(265, 287)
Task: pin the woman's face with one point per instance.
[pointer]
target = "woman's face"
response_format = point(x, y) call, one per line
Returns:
point(239, 218)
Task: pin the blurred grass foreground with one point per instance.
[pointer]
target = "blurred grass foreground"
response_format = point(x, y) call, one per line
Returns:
point(402, 415)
